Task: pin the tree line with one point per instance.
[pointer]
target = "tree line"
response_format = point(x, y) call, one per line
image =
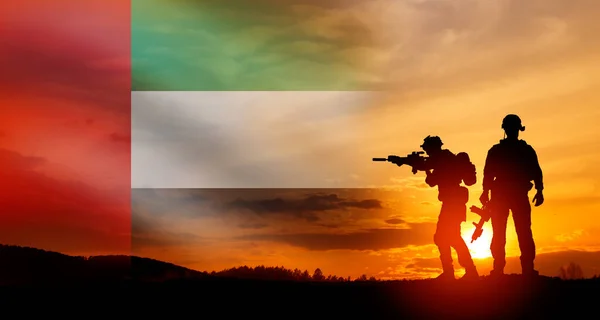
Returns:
point(282, 273)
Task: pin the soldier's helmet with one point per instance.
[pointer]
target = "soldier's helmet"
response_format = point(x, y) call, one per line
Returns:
point(431, 142)
point(511, 122)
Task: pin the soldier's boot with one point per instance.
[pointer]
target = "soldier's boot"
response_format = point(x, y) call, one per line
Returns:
point(465, 260)
point(496, 273)
point(498, 270)
point(470, 273)
point(446, 276)
point(447, 271)
point(528, 270)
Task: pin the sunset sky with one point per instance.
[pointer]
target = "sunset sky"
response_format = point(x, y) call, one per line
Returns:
point(292, 100)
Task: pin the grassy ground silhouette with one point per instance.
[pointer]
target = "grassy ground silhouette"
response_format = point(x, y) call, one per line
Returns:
point(146, 286)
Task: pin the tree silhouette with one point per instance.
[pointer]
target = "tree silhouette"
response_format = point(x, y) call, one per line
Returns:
point(571, 272)
point(305, 275)
point(362, 278)
point(23, 264)
point(318, 275)
point(280, 273)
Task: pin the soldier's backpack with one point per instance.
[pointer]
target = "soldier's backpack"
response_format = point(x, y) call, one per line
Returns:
point(466, 169)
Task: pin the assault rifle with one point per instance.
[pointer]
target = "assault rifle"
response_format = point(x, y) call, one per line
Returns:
point(485, 213)
point(414, 159)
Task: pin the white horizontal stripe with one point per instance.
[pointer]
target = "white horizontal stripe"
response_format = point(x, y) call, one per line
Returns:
point(243, 139)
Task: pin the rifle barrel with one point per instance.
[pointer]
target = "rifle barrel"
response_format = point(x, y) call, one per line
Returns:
point(478, 211)
point(379, 159)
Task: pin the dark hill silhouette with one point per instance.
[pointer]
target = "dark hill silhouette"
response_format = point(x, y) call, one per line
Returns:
point(145, 286)
point(26, 266)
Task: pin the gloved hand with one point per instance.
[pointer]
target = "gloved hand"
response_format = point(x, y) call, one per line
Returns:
point(538, 199)
point(485, 197)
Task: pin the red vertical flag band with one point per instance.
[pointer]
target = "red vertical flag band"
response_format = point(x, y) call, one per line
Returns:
point(65, 125)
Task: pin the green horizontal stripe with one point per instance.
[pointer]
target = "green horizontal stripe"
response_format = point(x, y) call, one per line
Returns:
point(184, 45)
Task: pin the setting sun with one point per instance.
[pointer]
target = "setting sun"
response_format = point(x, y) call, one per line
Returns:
point(480, 248)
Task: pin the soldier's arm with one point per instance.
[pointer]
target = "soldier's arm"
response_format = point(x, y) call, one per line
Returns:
point(489, 170)
point(536, 171)
point(431, 179)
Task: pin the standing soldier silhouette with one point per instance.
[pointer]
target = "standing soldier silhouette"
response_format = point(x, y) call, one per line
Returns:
point(510, 167)
point(449, 170)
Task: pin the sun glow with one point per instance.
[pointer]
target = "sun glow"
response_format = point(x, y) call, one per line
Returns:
point(480, 248)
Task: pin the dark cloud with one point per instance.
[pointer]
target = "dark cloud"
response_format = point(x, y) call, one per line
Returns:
point(306, 208)
point(253, 225)
point(258, 208)
point(370, 239)
point(420, 263)
point(166, 201)
point(163, 239)
point(394, 221)
point(330, 225)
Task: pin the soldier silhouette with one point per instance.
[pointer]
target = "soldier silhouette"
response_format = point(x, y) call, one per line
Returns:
point(510, 167)
point(449, 170)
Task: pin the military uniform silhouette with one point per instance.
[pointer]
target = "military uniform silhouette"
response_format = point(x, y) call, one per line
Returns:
point(447, 176)
point(510, 167)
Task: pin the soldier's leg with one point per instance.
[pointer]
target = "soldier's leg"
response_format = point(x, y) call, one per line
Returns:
point(522, 219)
point(442, 240)
point(499, 219)
point(459, 213)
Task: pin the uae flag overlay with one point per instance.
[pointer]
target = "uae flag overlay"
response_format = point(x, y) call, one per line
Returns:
point(241, 113)
point(220, 133)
